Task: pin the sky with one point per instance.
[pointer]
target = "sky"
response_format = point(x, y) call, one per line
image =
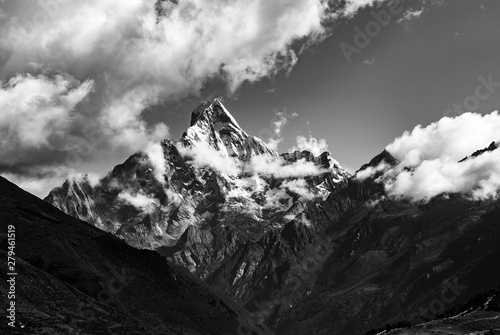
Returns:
point(85, 85)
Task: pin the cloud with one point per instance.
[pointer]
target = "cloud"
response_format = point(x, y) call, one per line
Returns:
point(47, 123)
point(369, 61)
point(279, 168)
point(448, 138)
point(95, 66)
point(411, 15)
point(276, 198)
point(370, 171)
point(353, 6)
point(203, 155)
point(300, 187)
point(178, 46)
point(37, 112)
point(38, 181)
point(429, 159)
point(313, 145)
point(92, 178)
point(155, 153)
point(279, 123)
point(139, 200)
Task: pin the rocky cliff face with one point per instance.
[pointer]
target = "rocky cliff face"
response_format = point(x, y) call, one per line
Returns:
point(222, 204)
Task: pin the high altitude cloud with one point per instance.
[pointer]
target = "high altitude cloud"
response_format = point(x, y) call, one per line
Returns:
point(139, 200)
point(37, 112)
point(300, 187)
point(279, 123)
point(104, 62)
point(279, 168)
point(178, 46)
point(411, 15)
point(352, 6)
point(311, 144)
point(203, 155)
point(429, 159)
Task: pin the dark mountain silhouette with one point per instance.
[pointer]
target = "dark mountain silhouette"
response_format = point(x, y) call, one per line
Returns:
point(73, 278)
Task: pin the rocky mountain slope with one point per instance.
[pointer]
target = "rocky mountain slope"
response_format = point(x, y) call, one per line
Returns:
point(304, 246)
point(222, 204)
point(75, 279)
point(395, 261)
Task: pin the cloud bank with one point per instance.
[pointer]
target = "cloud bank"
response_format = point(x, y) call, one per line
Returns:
point(429, 159)
point(77, 76)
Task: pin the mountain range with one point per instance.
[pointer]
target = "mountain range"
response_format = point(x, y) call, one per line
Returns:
point(296, 243)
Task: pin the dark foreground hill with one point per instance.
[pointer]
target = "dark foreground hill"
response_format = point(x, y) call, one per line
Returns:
point(73, 278)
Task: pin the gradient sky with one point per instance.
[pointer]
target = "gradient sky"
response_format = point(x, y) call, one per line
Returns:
point(421, 69)
point(428, 58)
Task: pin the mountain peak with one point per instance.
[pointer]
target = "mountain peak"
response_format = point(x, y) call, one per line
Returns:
point(213, 111)
point(213, 125)
point(493, 146)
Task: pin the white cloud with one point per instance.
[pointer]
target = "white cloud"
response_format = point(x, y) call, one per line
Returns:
point(282, 119)
point(203, 155)
point(37, 111)
point(157, 159)
point(41, 179)
point(178, 51)
point(300, 187)
point(429, 159)
point(46, 121)
point(92, 178)
point(313, 145)
point(174, 198)
point(353, 6)
point(139, 200)
point(276, 198)
point(279, 168)
point(134, 59)
point(411, 15)
point(448, 138)
point(370, 171)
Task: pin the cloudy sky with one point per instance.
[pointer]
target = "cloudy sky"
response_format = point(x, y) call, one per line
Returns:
point(85, 84)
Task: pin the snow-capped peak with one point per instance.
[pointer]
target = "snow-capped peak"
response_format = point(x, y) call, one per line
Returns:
point(213, 111)
point(213, 126)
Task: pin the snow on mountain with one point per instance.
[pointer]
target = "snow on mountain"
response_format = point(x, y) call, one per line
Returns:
point(216, 172)
point(213, 125)
point(213, 201)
